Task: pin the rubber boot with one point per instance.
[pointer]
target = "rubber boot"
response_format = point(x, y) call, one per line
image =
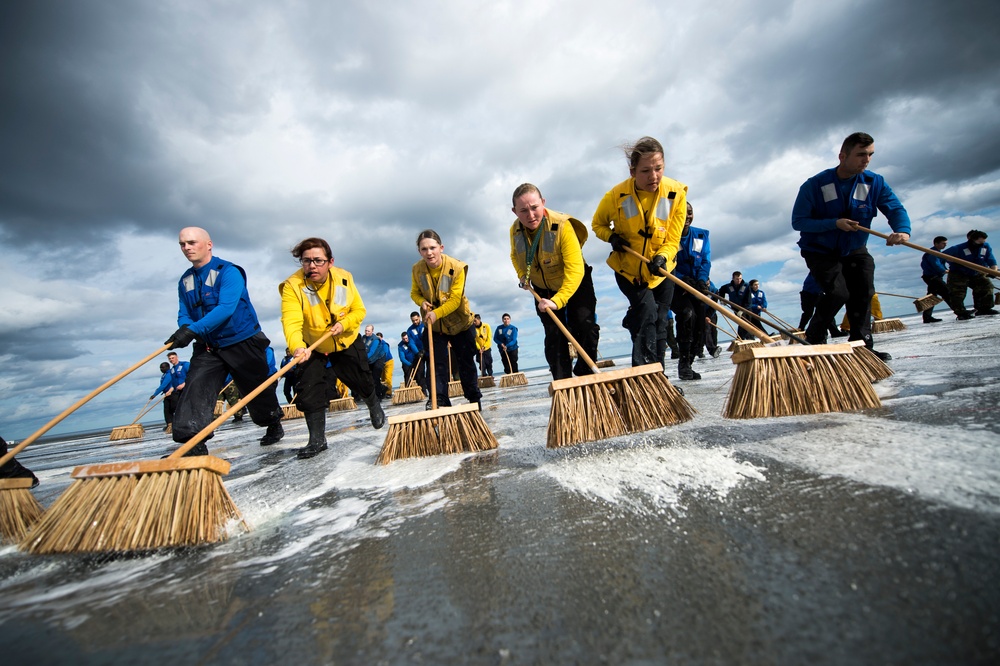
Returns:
point(684, 370)
point(375, 410)
point(316, 422)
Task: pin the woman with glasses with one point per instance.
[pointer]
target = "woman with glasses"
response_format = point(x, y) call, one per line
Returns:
point(438, 287)
point(318, 298)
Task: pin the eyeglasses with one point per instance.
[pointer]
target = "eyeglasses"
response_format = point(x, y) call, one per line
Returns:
point(306, 262)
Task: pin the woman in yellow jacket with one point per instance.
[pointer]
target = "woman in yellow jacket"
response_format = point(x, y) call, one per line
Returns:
point(315, 299)
point(645, 213)
point(438, 287)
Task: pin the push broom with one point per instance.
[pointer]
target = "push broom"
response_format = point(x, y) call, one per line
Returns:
point(440, 430)
point(604, 362)
point(947, 257)
point(485, 381)
point(512, 378)
point(789, 380)
point(18, 508)
point(610, 404)
point(921, 303)
point(147, 504)
point(412, 392)
point(454, 385)
point(220, 402)
point(133, 430)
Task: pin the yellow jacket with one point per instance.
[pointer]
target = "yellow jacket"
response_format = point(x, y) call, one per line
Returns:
point(652, 232)
point(484, 337)
point(308, 311)
point(445, 290)
point(558, 264)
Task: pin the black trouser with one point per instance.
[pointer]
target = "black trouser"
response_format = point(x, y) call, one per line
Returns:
point(247, 363)
point(349, 365)
point(808, 301)
point(936, 286)
point(509, 359)
point(711, 332)
point(649, 311)
point(170, 406)
point(578, 317)
point(376, 369)
point(846, 281)
point(486, 362)
point(690, 319)
point(982, 291)
point(463, 346)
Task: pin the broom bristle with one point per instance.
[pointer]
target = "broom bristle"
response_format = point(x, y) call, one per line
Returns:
point(610, 404)
point(887, 325)
point(797, 380)
point(487, 382)
point(445, 430)
point(133, 431)
point(292, 412)
point(740, 345)
point(19, 509)
point(406, 395)
point(926, 302)
point(220, 408)
point(454, 389)
point(144, 506)
point(513, 379)
point(605, 363)
point(343, 404)
point(875, 368)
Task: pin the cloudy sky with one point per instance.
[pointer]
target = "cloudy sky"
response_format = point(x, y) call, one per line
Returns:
point(364, 123)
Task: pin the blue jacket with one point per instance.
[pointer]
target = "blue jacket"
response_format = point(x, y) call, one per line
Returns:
point(739, 295)
point(824, 198)
point(178, 373)
point(758, 300)
point(811, 286)
point(982, 255)
point(271, 367)
point(694, 256)
point(415, 333)
point(506, 335)
point(933, 266)
point(164, 384)
point(386, 350)
point(215, 304)
point(407, 353)
point(374, 348)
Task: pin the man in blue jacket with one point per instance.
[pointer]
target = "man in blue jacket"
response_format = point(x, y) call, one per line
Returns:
point(933, 270)
point(415, 333)
point(216, 314)
point(376, 359)
point(829, 209)
point(736, 291)
point(977, 251)
point(505, 336)
point(694, 263)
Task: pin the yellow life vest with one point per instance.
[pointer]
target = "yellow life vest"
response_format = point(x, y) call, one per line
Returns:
point(307, 311)
point(548, 269)
point(461, 318)
point(648, 232)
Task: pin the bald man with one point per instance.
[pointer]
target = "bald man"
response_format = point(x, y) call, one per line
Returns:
point(216, 314)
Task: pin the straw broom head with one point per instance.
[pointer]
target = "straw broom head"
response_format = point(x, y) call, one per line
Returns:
point(343, 404)
point(18, 509)
point(438, 431)
point(134, 431)
point(487, 382)
point(887, 325)
point(406, 395)
point(926, 302)
point(875, 368)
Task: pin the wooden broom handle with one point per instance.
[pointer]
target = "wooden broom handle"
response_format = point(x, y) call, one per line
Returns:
point(147, 409)
point(778, 319)
point(708, 301)
point(579, 350)
point(430, 364)
point(912, 298)
point(942, 255)
point(413, 374)
point(80, 403)
point(207, 430)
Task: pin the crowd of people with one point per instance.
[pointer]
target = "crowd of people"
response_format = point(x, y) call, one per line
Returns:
point(661, 264)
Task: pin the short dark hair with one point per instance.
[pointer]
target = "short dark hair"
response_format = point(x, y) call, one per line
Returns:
point(504, 315)
point(403, 334)
point(976, 233)
point(939, 239)
point(164, 366)
point(311, 244)
point(735, 273)
point(414, 314)
point(856, 139)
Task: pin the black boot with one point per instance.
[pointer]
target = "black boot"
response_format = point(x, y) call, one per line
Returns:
point(375, 410)
point(684, 370)
point(316, 422)
point(273, 435)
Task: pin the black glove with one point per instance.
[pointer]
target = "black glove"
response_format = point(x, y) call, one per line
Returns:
point(618, 244)
point(704, 287)
point(658, 263)
point(154, 395)
point(182, 337)
point(420, 354)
